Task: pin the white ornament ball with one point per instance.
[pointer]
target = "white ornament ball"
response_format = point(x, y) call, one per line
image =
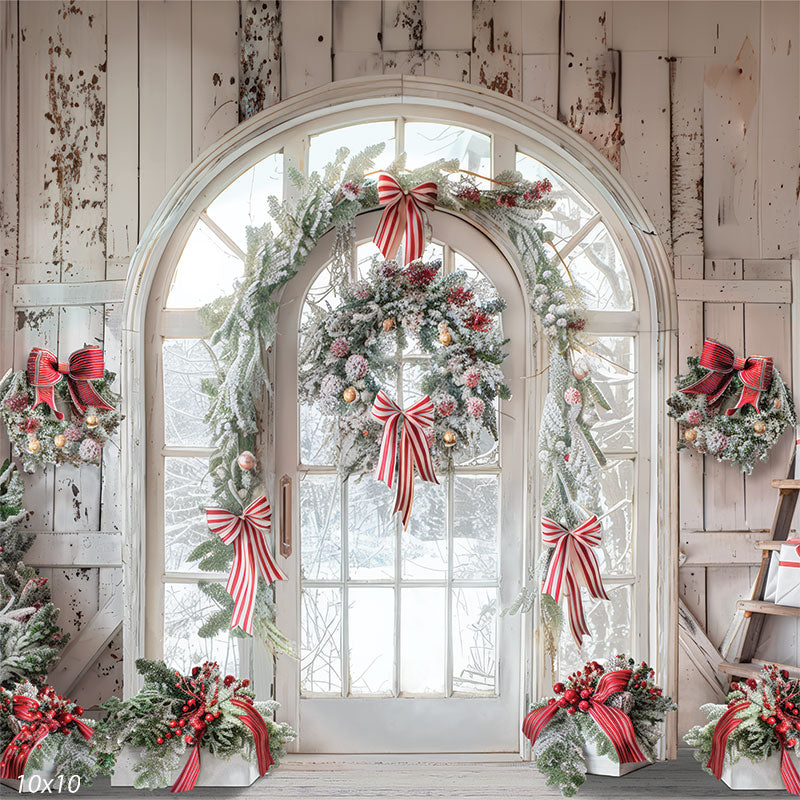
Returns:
point(89, 450)
point(572, 396)
point(246, 461)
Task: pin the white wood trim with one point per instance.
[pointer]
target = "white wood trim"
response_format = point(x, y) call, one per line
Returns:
point(710, 291)
point(27, 295)
point(556, 145)
point(69, 549)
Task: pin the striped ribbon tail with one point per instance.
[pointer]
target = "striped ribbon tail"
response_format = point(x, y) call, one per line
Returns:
point(86, 365)
point(255, 722)
point(537, 720)
point(725, 726)
point(43, 374)
point(414, 451)
point(403, 215)
point(251, 555)
point(572, 565)
point(190, 772)
point(756, 378)
point(791, 780)
point(617, 725)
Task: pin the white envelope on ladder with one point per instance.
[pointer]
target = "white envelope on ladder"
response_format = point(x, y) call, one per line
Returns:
point(787, 589)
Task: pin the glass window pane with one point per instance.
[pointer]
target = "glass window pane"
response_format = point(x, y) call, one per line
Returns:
point(474, 640)
point(184, 523)
point(243, 204)
point(611, 365)
point(479, 283)
point(320, 520)
point(597, 269)
point(424, 543)
point(323, 147)
point(320, 641)
point(207, 269)
point(371, 635)
point(615, 553)
point(371, 529)
point(476, 510)
point(610, 624)
point(185, 607)
point(186, 363)
point(571, 211)
point(316, 446)
point(430, 141)
point(422, 640)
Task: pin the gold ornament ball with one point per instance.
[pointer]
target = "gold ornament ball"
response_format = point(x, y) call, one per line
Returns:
point(388, 324)
point(246, 461)
point(690, 435)
point(349, 394)
point(34, 445)
point(579, 373)
point(449, 438)
point(759, 426)
point(92, 421)
point(776, 403)
point(59, 440)
point(445, 338)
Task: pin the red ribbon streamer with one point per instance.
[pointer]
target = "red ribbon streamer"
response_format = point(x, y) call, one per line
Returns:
point(84, 366)
point(725, 726)
point(414, 451)
point(255, 723)
point(614, 722)
point(403, 215)
point(573, 565)
point(755, 372)
point(250, 556)
point(41, 724)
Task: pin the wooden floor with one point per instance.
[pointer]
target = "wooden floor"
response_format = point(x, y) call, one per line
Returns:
point(377, 777)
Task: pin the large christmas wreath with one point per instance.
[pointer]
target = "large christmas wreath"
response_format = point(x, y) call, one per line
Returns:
point(733, 410)
point(349, 353)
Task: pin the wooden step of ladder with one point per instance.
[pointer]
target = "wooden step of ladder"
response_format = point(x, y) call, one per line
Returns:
point(741, 640)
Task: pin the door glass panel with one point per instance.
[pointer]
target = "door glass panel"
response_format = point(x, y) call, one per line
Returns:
point(320, 518)
point(615, 553)
point(476, 542)
point(422, 640)
point(184, 523)
point(371, 640)
point(429, 141)
point(474, 640)
point(320, 641)
point(370, 530)
point(424, 544)
point(187, 362)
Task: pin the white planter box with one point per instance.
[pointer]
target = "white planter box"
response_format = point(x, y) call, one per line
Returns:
point(747, 774)
point(37, 781)
point(603, 765)
point(213, 771)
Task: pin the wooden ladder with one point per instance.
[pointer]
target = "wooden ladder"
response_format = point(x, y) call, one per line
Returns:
point(741, 640)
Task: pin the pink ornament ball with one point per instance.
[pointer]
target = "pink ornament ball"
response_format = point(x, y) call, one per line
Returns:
point(340, 348)
point(446, 405)
point(17, 402)
point(89, 450)
point(356, 367)
point(475, 407)
point(246, 461)
point(472, 378)
point(694, 417)
point(572, 396)
point(73, 433)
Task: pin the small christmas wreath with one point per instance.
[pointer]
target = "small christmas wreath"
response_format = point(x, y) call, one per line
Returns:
point(349, 353)
point(39, 431)
point(732, 409)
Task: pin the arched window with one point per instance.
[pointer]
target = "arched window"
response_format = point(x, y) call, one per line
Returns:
point(383, 616)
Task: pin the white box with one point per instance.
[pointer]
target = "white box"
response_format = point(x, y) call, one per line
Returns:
point(40, 777)
point(747, 774)
point(214, 771)
point(787, 587)
point(603, 765)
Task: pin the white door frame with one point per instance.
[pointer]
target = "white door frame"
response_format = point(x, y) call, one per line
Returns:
point(554, 144)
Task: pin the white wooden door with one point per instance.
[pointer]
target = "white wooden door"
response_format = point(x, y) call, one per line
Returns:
point(403, 648)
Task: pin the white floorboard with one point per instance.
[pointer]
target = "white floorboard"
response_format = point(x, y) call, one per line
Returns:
point(369, 777)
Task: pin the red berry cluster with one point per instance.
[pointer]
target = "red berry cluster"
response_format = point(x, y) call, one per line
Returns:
point(478, 320)
point(459, 296)
point(420, 274)
point(506, 200)
point(641, 681)
point(18, 402)
point(576, 323)
point(578, 690)
point(466, 191)
point(782, 714)
point(539, 190)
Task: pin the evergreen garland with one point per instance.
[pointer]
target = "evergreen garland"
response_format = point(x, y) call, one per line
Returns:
point(743, 438)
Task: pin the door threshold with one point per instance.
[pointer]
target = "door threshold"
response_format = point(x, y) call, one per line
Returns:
point(400, 758)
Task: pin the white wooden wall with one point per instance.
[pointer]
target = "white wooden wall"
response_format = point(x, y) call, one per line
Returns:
point(696, 103)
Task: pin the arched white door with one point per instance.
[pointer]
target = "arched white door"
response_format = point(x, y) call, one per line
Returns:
point(400, 633)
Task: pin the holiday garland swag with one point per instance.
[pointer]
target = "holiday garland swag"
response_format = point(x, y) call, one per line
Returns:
point(245, 324)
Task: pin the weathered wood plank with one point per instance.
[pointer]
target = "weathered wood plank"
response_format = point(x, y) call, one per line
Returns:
point(721, 548)
point(215, 71)
point(63, 151)
point(9, 140)
point(540, 82)
point(496, 46)
point(686, 93)
point(74, 592)
point(449, 65)
point(165, 100)
point(640, 26)
point(111, 491)
point(28, 295)
point(260, 56)
point(122, 134)
point(403, 62)
point(724, 587)
point(402, 27)
point(716, 291)
point(779, 100)
point(767, 269)
point(95, 549)
point(699, 649)
point(645, 153)
point(306, 50)
point(540, 27)
point(693, 591)
point(723, 269)
point(447, 26)
point(356, 39)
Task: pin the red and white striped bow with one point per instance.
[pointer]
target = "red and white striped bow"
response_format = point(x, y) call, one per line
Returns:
point(414, 450)
point(84, 366)
point(573, 565)
point(404, 214)
point(250, 555)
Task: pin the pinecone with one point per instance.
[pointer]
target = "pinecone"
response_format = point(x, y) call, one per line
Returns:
point(622, 700)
